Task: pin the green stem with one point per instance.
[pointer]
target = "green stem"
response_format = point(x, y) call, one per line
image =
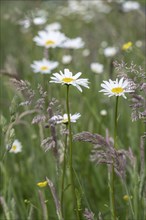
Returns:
point(115, 123)
point(64, 171)
point(70, 155)
point(112, 174)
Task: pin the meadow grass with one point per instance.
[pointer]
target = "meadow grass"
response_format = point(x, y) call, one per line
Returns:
point(20, 197)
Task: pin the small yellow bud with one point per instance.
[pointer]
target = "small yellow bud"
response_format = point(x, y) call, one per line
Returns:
point(127, 45)
point(127, 198)
point(42, 184)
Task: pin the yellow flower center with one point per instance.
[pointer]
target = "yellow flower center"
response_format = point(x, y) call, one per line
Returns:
point(117, 90)
point(127, 45)
point(65, 121)
point(44, 68)
point(49, 42)
point(14, 147)
point(67, 80)
point(42, 184)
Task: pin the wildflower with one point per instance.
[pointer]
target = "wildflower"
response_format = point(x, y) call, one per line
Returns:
point(53, 27)
point(138, 43)
point(127, 198)
point(58, 119)
point(66, 59)
point(16, 147)
point(103, 112)
point(75, 43)
point(96, 67)
point(44, 66)
point(130, 6)
point(67, 78)
point(110, 51)
point(39, 20)
point(104, 44)
point(25, 23)
point(86, 52)
point(49, 39)
point(42, 184)
point(127, 45)
point(115, 88)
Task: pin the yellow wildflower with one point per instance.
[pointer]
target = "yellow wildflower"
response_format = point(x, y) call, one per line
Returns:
point(42, 184)
point(127, 45)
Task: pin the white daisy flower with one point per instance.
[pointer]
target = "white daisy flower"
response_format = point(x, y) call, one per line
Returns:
point(49, 39)
point(67, 78)
point(138, 43)
point(58, 119)
point(115, 88)
point(110, 51)
point(44, 66)
point(130, 6)
point(97, 67)
point(86, 52)
point(56, 26)
point(16, 147)
point(39, 20)
point(66, 59)
point(25, 23)
point(75, 43)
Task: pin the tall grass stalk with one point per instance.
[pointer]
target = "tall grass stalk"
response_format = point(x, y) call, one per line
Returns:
point(64, 171)
point(70, 155)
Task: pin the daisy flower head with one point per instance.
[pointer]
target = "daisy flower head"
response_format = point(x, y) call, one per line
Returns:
point(49, 39)
point(66, 59)
point(16, 147)
point(58, 119)
point(75, 43)
point(116, 88)
point(56, 26)
point(39, 20)
point(67, 78)
point(110, 51)
point(97, 67)
point(44, 66)
point(130, 6)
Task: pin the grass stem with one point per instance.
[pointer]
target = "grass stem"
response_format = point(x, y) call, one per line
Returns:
point(64, 171)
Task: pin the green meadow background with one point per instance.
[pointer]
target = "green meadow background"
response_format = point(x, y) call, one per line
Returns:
point(21, 172)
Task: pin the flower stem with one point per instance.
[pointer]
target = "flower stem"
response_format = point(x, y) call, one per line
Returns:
point(115, 125)
point(70, 156)
point(112, 174)
point(64, 171)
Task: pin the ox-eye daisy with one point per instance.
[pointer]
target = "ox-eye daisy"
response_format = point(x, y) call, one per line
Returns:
point(67, 78)
point(59, 119)
point(49, 39)
point(16, 147)
point(44, 66)
point(115, 88)
point(75, 43)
